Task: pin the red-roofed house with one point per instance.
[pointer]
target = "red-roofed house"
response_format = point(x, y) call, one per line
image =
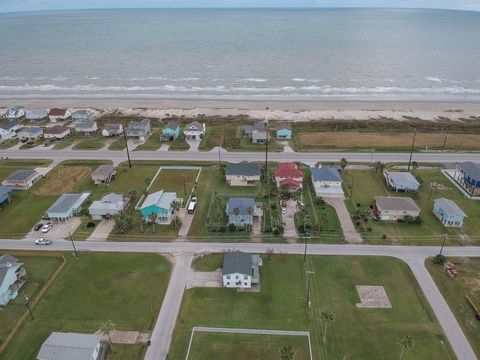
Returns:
point(56, 115)
point(288, 177)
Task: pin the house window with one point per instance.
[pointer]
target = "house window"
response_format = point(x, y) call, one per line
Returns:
point(246, 284)
point(245, 277)
point(236, 277)
point(228, 277)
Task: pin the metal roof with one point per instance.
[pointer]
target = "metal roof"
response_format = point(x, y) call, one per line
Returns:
point(160, 199)
point(67, 202)
point(6, 263)
point(243, 168)
point(325, 173)
point(111, 201)
point(69, 346)
point(471, 168)
point(402, 179)
point(237, 262)
point(33, 114)
point(20, 175)
point(243, 204)
point(195, 126)
point(449, 207)
point(32, 130)
point(7, 125)
point(396, 203)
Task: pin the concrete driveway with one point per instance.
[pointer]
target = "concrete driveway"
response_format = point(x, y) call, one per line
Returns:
point(103, 229)
point(186, 222)
point(349, 232)
point(194, 144)
point(60, 230)
point(212, 279)
point(290, 231)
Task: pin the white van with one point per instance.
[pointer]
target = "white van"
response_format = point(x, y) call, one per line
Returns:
point(192, 206)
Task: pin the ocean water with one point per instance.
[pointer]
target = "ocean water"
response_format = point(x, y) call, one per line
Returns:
point(242, 54)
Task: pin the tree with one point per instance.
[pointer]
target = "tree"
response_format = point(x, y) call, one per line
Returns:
point(287, 353)
point(379, 166)
point(153, 218)
point(123, 222)
point(132, 194)
point(106, 328)
point(327, 319)
point(176, 222)
point(343, 163)
point(85, 219)
point(414, 165)
point(406, 343)
point(236, 211)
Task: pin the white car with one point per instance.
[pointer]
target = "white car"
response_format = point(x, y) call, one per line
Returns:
point(43, 241)
point(46, 228)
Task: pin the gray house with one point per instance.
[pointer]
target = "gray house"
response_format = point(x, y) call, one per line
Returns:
point(258, 132)
point(139, 130)
point(108, 206)
point(15, 112)
point(104, 174)
point(241, 211)
point(36, 114)
point(30, 134)
point(242, 174)
point(401, 181)
point(67, 206)
point(72, 346)
point(241, 270)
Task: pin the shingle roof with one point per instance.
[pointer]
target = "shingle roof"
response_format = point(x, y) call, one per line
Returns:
point(14, 111)
point(243, 204)
point(471, 168)
point(32, 130)
point(112, 126)
point(6, 262)
point(111, 201)
point(139, 125)
point(325, 173)
point(36, 114)
point(69, 346)
point(288, 170)
point(160, 199)
point(20, 175)
point(67, 201)
point(195, 126)
point(57, 112)
point(284, 127)
point(237, 262)
point(7, 125)
point(243, 168)
point(57, 129)
point(84, 124)
point(396, 203)
point(449, 207)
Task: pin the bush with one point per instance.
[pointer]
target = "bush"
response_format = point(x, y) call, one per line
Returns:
point(439, 259)
point(384, 237)
point(231, 227)
point(90, 224)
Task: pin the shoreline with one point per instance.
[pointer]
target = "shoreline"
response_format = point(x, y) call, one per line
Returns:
point(304, 110)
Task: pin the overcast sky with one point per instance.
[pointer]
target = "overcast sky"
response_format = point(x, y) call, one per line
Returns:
point(29, 5)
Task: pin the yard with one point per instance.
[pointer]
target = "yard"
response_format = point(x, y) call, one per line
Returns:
point(466, 283)
point(90, 143)
point(152, 143)
point(368, 183)
point(118, 144)
point(68, 141)
point(8, 143)
point(280, 305)
point(180, 181)
point(127, 289)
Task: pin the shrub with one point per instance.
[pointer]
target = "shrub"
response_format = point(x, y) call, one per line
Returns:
point(439, 259)
point(384, 237)
point(90, 224)
point(231, 227)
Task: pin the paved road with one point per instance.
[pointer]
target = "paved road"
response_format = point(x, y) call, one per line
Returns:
point(309, 158)
point(414, 256)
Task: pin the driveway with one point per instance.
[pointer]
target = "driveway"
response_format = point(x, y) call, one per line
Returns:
point(60, 230)
point(186, 222)
point(212, 279)
point(257, 229)
point(102, 230)
point(290, 231)
point(194, 144)
point(349, 232)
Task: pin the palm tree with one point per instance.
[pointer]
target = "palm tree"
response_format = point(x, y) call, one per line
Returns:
point(132, 194)
point(287, 353)
point(343, 163)
point(153, 218)
point(406, 343)
point(327, 319)
point(106, 328)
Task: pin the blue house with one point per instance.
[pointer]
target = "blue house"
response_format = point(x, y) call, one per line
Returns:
point(469, 177)
point(171, 131)
point(5, 193)
point(240, 211)
point(284, 132)
point(448, 212)
point(160, 204)
point(12, 277)
point(82, 115)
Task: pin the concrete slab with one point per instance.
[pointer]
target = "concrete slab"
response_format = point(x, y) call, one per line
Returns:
point(186, 223)
point(194, 144)
point(373, 297)
point(205, 279)
point(101, 232)
point(60, 230)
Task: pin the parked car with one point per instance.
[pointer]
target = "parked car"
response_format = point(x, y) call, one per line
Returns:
point(43, 241)
point(192, 205)
point(38, 227)
point(46, 228)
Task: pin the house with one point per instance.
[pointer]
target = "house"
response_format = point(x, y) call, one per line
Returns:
point(284, 132)
point(112, 130)
point(16, 112)
point(194, 131)
point(161, 205)
point(36, 114)
point(248, 129)
point(86, 127)
point(468, 174)
point(22, 179)
point(12, 277)
point(104, 174)
point(8, 129)
point(240, 211)
point(82, 115)
point(241, 270)
point(108, 206)
point(401, 181)
point(288, 177)
point(139, 130)
point(73, 346)
point(66, 206)
point(30, 134)
point(242, 174)
point(448, 212)
point(5, 193)
point(259, 136)
point(327, 182)
point(171, 131)
point(395, 208)
point(56, 132)
point(56, 115)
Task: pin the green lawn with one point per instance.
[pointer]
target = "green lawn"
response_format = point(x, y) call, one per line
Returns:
point(280, 305)
point(68, 141)
point(367, 184)
point(39, 270)
point(8, 143)
point(83, 232)
point(90, 143)
point(127, 289)
point(118, 144)
point(179, 145)
point(153, 142)
point(127, 352)
point(467, 283)
point(174, 180)
point(210, 262)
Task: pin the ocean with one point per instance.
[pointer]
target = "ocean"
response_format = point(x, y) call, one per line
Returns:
point(247, 54)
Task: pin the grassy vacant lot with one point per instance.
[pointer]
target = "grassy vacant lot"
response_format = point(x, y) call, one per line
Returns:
point(8, 143)
point(118, 144)
point(174, 180)
point(68, 141)
point(127, 289)
point(367, 184)
point(467, 283)
point(63, 180)
point(27, 146)
point(280, 305)
point(39, 270)
point(90, 143)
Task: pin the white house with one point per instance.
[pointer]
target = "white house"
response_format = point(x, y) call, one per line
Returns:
point(8, 129)
point(112, 130)
point(72, 346)
point(327, 182)
point(241, 270)
point(67, 206)
point(194, 130)
point(22, 179)
point(16, 112)
point(56, 115)
point(108, 206)
point(12, 277)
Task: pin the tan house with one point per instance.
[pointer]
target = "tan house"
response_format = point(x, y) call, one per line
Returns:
point(104, 174)
point(395, 208)
point(243, 174)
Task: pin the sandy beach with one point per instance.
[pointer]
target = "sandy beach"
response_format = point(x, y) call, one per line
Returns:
point(271, 110)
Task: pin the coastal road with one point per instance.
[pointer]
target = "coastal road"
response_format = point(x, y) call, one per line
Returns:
point(414, 256)
point(213, 155)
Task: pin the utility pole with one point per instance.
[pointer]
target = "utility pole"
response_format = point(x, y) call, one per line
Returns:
point(305, 217)
point(443, 243)
point(73, 244)
point(27, 305)
point(126, 147)
point(371, 158)
point(445, 139)
point(411, 150)
point(309, 279)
